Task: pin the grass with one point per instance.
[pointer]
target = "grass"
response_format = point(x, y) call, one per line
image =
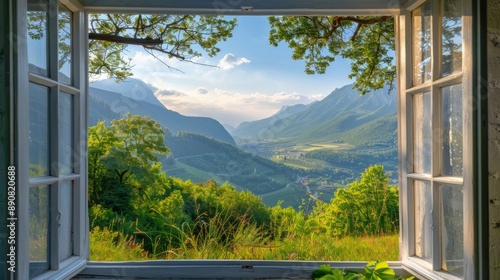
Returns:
point(251, 245)
point(107, 245)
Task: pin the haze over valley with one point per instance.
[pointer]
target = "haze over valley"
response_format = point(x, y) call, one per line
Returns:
point(303, 152)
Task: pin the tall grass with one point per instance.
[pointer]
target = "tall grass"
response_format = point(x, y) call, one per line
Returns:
point(221, 238)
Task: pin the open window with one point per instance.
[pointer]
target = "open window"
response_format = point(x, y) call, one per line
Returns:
point(53, 224)
point(436, 139)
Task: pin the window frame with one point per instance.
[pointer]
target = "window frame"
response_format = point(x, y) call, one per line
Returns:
point(406, 90)
point(69, 266)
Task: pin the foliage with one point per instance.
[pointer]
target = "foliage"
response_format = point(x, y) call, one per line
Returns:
point(368, 206)
point(123, 160)
point(166, 217)
point(368, 41)
point(372, 271)
point(108, 245)
point(179, 36)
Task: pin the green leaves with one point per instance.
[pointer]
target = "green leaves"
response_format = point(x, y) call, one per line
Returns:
point(367, 206)
point(372, 271)
point(183, 36)
point(367, 41)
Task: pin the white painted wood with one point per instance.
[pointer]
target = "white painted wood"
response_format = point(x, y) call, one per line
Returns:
point(215, 269)
point(464, 77)
point(22, 142)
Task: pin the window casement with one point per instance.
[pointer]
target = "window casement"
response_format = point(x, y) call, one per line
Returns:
point(54, 224)
point(435, 125)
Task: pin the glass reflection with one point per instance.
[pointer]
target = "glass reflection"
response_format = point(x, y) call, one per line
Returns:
point(421, 44)
point(453, 230)
point(65, 234)
point(451, 37)
point(422, 139)
point(423, 220)
point(64, 33)
point(36, 20)
point(452, 128)
point(65, 133)
point(39, 137)
point(39, 217)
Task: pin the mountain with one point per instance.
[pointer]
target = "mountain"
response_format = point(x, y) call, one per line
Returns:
point(143, 105)
point(199, 158)
point(325, 120)
point(130, 87)
point(250, 129)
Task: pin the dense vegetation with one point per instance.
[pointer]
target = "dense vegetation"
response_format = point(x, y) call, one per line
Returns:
point(135, 207)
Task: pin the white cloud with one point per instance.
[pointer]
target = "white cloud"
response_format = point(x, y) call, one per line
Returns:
point(229, 61)
point(232, 107)
point(201, 90)
point(168, 92)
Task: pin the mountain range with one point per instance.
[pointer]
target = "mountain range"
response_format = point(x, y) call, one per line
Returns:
point(135, 96)
point(296, 142)
point(329, 119)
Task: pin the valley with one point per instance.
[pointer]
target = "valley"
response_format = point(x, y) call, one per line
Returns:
point(301, 154)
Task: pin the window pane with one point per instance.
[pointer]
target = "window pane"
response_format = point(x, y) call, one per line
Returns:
point(451, 37)
point(453, 230)
point(423, 220)
point(37, 17)
point(66, 223)
point(422, 136)
point(65, 133)
point(421, 44)
point(65, 53)
point(39, 136)
point(452, 131)
point(39, 217)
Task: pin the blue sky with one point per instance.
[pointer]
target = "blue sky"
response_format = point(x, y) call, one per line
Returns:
point(253, 80)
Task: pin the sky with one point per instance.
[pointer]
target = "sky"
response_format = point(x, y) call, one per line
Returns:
point(253, 79)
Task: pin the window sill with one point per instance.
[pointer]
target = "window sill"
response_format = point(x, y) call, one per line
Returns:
point(69, 268)
point(214, 269)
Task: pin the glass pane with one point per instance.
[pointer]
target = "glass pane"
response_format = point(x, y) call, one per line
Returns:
point(64, 18)
point(452, 223)
point(421, 44)
point(37, 17)
point(422, 136)
point(39, 136)
point(452, 131)
point(39, 217)
point(66, 223)
point(423, 220)
point(451, 37)
point(65, 133)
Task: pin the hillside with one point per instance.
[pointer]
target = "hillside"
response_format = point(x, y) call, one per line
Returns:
point(171, 120)
point(344, 109)
point(199, 158)
point(251, 129)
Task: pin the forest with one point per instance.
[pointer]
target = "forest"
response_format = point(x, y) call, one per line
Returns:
point(138, 212)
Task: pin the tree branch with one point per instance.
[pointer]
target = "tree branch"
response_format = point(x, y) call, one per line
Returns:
point(125, 40)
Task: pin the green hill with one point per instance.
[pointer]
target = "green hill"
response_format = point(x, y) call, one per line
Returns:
point(343, 110)
point(197, 156)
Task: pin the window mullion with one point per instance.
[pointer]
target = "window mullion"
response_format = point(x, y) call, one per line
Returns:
point(53, 41)
point(436, 227)
point(55, 215)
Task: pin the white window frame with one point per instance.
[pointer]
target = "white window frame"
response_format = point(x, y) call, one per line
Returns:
point(405, 90)
point(58, 269)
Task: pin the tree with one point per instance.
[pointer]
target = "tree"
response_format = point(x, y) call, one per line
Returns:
point(124, 164)
point(367, 206)
point(368, 41)
point(140, 141)
point(180, 36)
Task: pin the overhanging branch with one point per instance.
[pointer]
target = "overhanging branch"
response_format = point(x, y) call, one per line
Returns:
point(125, 40)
